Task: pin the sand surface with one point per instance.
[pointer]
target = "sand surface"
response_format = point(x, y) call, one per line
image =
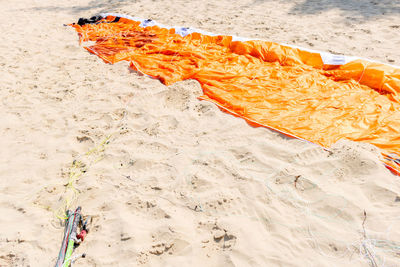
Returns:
point(178, 182)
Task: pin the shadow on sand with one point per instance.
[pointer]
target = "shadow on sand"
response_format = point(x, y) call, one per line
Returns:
point(352, 9)
point(94, 6)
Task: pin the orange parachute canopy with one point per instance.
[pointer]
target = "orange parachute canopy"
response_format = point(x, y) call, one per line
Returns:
point(283, 88)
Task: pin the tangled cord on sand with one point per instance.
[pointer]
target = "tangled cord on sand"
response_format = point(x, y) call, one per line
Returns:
point(79, 166)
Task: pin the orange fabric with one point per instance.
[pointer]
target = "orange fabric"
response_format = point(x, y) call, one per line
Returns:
point(267, 84)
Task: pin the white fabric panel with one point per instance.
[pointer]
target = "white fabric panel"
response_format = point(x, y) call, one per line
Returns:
point(327, 58)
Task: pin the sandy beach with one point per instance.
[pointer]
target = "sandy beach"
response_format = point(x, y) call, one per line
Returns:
point(173, 181)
